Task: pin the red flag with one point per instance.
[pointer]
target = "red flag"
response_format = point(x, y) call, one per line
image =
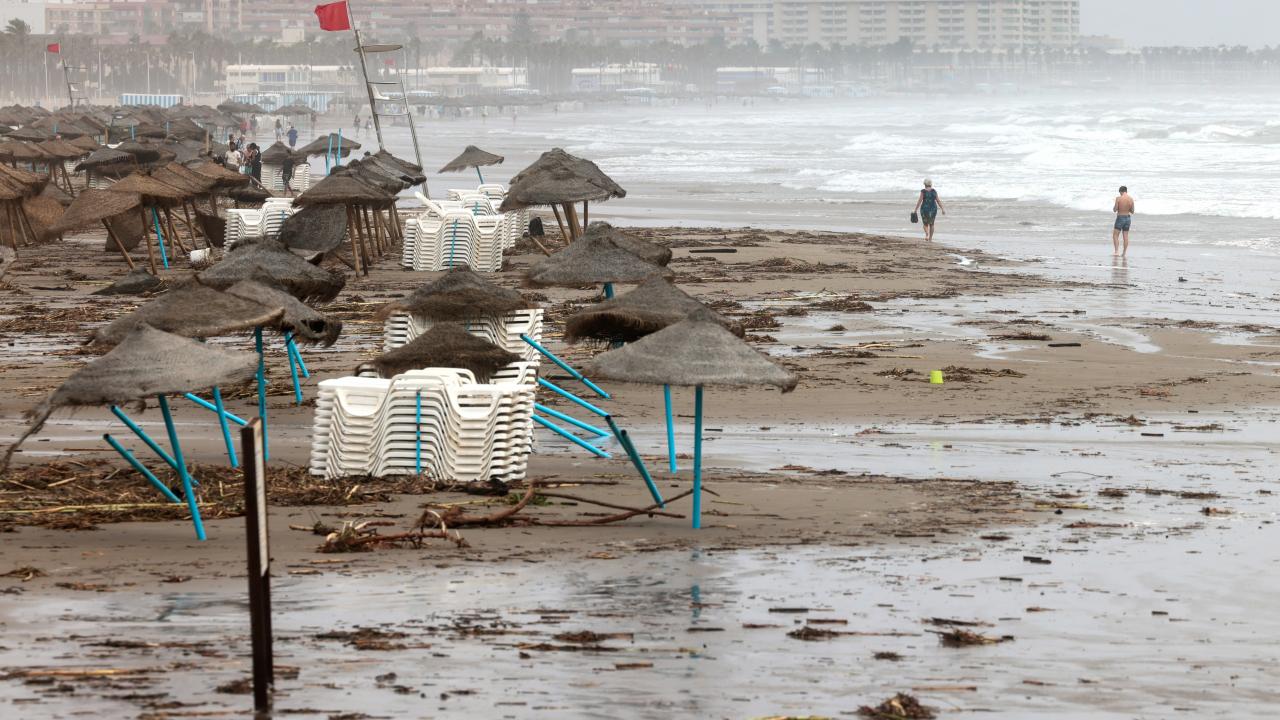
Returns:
point(53, 48)
point(333, 16)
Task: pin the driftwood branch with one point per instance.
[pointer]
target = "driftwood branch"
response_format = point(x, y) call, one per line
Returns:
point(612, 518)
point(575, 498)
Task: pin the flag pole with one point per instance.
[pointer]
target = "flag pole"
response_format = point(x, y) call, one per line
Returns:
point(364, 72)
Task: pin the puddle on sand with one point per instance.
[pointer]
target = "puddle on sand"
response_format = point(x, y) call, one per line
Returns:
point(1134, 606)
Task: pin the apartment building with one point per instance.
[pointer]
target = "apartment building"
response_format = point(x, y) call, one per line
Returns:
point(952, 24)
point(152, 20)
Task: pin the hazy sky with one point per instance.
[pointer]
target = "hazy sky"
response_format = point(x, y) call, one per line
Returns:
point(1184, 22)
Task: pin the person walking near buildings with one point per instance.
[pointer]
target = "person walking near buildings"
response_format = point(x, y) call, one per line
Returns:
point(1123, 208)
point(292, 135)
point(279, 130)
point(928, 205)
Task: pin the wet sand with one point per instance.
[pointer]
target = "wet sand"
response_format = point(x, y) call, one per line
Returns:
point(895, 485)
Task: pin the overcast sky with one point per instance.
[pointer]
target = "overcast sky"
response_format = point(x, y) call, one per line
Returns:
point(1184, 22)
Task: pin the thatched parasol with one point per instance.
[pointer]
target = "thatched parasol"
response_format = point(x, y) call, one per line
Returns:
point(697, 351)
point(296, 109)
point(445, 345)
point(24, 152)
point(472, 157)
point(43, 213)
point(408, 173)
point(33, 134)
point(593, 259)
point(32, 183)
point(146, 363)
point(235, 107)
point(343, 189)
point(641, 248)
point(558, 178)
point(192, 310)
point(385, 179)
point(178, 176)
point(152, 191)
point(220, 174)
point(319, 228)
point(299, 319)
point(137, 282)
point(458, 295)
point(333, 142)
point(278, 153)
point(62, 150)
point(652, 306)
point(103, 157)
point(249, 194)
point(267, 259)
point(84, 142)
point(93, 206)
point(142, 153)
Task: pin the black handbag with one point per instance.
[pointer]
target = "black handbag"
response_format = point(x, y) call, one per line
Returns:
point(914, 218)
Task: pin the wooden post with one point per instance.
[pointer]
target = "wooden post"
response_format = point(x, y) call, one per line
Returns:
point(586, 214)
point(351, 234)
point(112, 234)
point(571, 219)
point(13, 233)
point(24, 222)
point(555, 209)
point(191, 227)
point(146, 238)
point(173, 231)
point(259, 561)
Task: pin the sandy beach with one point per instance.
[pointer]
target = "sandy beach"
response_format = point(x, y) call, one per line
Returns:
point(851, 518)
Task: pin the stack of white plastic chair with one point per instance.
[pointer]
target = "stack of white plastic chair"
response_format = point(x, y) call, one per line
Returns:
point(504, 331)
point(274, 212)
point(495, 191)
point(458, 430)
point(273, 179)
point(242, 224)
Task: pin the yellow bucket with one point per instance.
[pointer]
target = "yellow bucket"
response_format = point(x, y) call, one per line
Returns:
point(935, 377)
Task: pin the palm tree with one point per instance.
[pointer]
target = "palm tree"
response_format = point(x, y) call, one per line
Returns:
point(18, 29)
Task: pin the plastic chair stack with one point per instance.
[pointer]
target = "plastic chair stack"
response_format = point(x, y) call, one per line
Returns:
point(504, 331)
point(436, 420)
point(274, 181)
point(257, 224)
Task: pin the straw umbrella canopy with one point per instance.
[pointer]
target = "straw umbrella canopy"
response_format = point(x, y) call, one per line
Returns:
point(267, 259)
point(33, 134)
point(363, 203)
point(641, 248)
point(300, 319)
point(153, 191)
point(278, 153)
point(180, 176)
point(103, 157)
point(333, 142)
point(186, 129)
point(459, 295)
point(93, 206)
point(57, 194)
point(698, 352)
point(24, 152)
point(235, 107)
point(593, 259)
point(149, 130)
point(342, 189)
point(472, 157)
point(192, 310)
point(42, 213)
point(319, 228)
point(220, 174)
point(137, 282)
point(446, 345)
point(408, 172)
point(84, 142)
point(249, 195)
point(386, 180)
point(296, 109)
point(558, 178)
point(652, 306)
point(142, 153)
point(62, 150)
point(147, 362)
point(32, 183)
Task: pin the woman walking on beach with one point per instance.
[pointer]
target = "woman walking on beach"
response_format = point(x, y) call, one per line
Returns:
point(928, 206)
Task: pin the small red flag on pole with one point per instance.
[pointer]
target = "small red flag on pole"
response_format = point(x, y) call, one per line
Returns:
point(53, 48)
point(333, 16)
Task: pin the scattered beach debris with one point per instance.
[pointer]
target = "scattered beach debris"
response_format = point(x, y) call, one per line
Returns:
point(25, 573)
point(899, 707)
point(966, 638)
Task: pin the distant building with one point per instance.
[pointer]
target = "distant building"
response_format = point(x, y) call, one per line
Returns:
point(460, 81)
point(951, 24)
point(776, 80)
point(611, 78)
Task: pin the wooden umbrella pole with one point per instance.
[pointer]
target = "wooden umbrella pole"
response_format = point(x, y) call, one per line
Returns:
point(22, 218)
point(146, 238)
point(371, 238)
point(13, 234)
point(173, 231)
point(365, 241)
point(395, 222)
point(586, 214)
point(351, 235)
point(571, 217)
point(116, 238)
point(559, 222)
point(191, 227)
point(383, 242)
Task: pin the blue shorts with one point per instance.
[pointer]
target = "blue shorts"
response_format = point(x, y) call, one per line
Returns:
point(1123, 222)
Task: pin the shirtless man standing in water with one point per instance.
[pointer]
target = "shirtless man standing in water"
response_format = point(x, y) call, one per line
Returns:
point(1124, 220)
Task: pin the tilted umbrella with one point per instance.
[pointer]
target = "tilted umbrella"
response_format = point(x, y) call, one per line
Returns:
point(360, 199)
point(192, 310)
point(157, 196)
point(93, 206)
point(148, 362)
point(446, 344)
point(558, 178)
point(318, 229)
point(472, 157)
point(270, 260)
point(333, 143)
point(641, 248)
point(594, 259)
point(650, 307)
point(459, 295)
point(700, 352)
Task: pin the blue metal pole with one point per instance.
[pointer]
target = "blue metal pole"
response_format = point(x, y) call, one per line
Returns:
point(262, 389)
point(570, 396)
point(187, 490)
point(327, 152)
point(569, 419)
point(293, 373)
point(570, 436)
point(477, 173)
point(144, 437)
point(697, 458)
point(608, 291)
point(337, 154)
point(155, 218)
point(226, 431)
point(671, 430)
point(563, 366)
point(129, 458)
point(417, 433)
point(297, 356)
point(630, 449)
point(210, 406)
